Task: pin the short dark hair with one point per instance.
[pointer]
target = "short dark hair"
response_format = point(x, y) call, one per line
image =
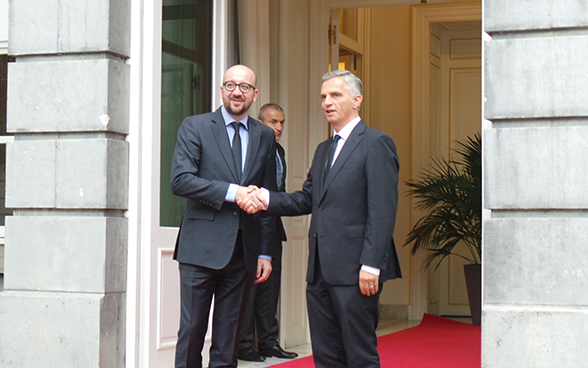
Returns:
point(267, 106)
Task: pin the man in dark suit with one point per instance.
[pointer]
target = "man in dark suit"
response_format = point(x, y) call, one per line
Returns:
point(352, 192)
point(263, 302)
point(218, 246)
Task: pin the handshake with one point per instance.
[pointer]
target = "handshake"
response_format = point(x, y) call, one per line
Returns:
point(251, 199)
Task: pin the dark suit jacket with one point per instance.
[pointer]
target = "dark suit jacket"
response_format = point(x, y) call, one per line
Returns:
point(202, 170)
point(282, 188)
point(354, 212)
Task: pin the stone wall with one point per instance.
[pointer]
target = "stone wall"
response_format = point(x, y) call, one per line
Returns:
point(535, 179)
point(67, 181)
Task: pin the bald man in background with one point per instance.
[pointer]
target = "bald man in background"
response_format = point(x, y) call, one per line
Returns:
point(263, 303)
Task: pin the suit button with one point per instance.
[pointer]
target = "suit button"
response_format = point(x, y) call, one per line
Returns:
point(320, 208)
point(235, 213)
point(314, 236)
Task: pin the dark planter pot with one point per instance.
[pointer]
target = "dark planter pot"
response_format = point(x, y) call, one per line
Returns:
point(473, 278)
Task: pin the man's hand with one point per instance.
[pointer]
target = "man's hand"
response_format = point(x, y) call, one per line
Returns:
point(250, 199)
point(368, 283)
point(264, 268)
point(247, 200)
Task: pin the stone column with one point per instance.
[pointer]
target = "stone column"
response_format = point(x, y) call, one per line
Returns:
point(67, 181)
point(535, 269)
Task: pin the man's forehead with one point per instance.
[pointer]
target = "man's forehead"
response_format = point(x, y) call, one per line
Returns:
point(276, 115)
point(332, 87)
point(240, 74)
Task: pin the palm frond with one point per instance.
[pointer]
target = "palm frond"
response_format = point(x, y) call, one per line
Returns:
point(452, 192)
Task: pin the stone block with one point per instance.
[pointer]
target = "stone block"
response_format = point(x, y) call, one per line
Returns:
point(534, 337)
point(508, 15)
point(30, 174)
point(535, 168)
point(91, 174)
point(74, 95)
point(56, 330)
point(66, 253)
point(29, 22)
point(538, 261)
point(81, 174)
point(540, 84)
point(69, 26)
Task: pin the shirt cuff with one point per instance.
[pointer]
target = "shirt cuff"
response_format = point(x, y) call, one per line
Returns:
point(370, 269)
point(231, 193)
point(269, 258)
point(266, 196)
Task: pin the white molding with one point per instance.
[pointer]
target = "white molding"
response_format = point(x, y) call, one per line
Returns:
point(319, 60)
point(422, 16)
point(150, 111)
point(220, 35)
point(254, 42)
point(335, 24)
point(133, 213)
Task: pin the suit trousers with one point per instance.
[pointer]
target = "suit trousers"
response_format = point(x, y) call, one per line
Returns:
point(230, 287)
point(262, 308)
point(342, 324)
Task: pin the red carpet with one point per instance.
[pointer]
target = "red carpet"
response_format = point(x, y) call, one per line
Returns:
point(435, 343)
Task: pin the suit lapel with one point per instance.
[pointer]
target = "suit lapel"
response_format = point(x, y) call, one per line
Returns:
point(354, 138)
point(254, 139)
point(219, 130)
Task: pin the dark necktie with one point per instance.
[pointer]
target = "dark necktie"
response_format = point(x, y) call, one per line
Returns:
point(237, 148)
point(330, 154)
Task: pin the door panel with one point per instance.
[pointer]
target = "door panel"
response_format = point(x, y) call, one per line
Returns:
point(460, 118)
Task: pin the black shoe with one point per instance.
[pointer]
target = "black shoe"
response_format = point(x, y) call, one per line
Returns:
point(250, 355)
point(278, 352)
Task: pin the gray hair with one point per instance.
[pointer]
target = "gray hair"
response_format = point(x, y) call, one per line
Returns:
point(354, 85)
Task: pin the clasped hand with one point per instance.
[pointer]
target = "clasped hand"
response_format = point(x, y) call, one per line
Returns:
point(250, 199)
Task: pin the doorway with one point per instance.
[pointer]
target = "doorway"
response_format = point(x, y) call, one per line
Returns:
point(422, 120)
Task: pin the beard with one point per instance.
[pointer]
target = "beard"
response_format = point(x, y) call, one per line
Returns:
point(237, 111)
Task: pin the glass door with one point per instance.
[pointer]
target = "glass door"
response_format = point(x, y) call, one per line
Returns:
point(186, 78)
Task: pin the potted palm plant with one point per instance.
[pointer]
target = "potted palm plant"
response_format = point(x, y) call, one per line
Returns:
point(450, 192)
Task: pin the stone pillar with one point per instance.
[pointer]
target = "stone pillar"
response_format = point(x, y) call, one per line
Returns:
point(67, 181)
point(535, 269)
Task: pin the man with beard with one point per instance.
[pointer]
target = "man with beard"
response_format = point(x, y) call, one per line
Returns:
point(221, 250)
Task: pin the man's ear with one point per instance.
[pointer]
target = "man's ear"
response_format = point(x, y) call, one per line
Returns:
point(357, 101)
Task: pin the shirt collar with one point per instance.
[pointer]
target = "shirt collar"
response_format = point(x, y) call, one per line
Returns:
point(345, 132)
point(229, 119)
